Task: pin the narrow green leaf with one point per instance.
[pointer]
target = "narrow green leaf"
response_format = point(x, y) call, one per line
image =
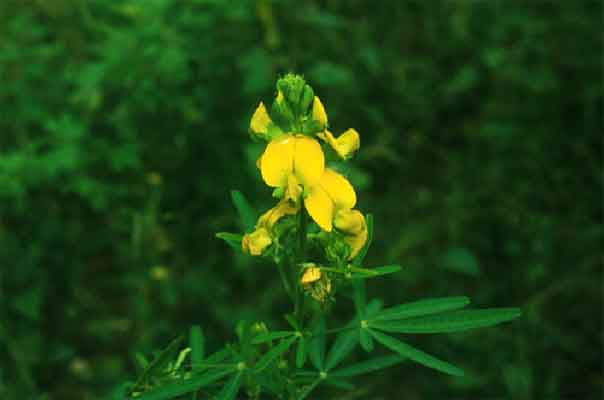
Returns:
point(451, 322)
point(273, 353)
point(366, 273)
point(230, 389)
point(361, 256)
point(340, 384)
point(196, 343)
point(232, 239)
point(373, 307)
point(364, 367)
point(360, 297)
point(246, 212)
point(213, 359)
point(317, 345)
point(305, 373)
point(267, 337)
point(344, 344)
point(141, 361)
point(178, 388)
point(422, 307)
point(415, 354)
point(159, 362)
point(366, 340)
point(306, 391)
point(301, 353)
point(291, 319)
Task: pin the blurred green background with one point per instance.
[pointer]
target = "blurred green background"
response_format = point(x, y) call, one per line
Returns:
point(123, 126)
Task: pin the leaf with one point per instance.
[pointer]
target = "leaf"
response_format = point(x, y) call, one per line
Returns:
point(366, 273)
point(344, 344)
point(370, 365)
point(209, 362)
point(317, 345)
point(230, 389)
point(178, 388)
point(232, 239)
point(306, 391)
point(366, 340)
point(273, 353)
point(301, 352)
point(373, 307)
point(196, 342)
point(267, 337)
point(361, 256)
point(340, 384)
point(141, 361)
point(451, 322)
point(422, 307)
point(360, 297)
point(159, 362)
point(414, 354)
point(246, 212)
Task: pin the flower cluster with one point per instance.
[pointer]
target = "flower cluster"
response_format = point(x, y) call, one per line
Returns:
point(295, 164)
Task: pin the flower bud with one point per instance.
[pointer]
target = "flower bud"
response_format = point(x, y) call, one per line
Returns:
point(354, 227)
point(311, 274)
point(318, 112)
point(345, 145)
point(260, 122)
point(282, 113)
point(307, 98)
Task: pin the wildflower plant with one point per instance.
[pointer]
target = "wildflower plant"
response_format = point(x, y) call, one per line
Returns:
point(317, 239)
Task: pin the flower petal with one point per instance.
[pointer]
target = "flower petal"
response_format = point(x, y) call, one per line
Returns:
point(339, 189)
point(256, 242)
point(349, 221)
point(345, 145)
point(277, 162)
point(312, 274)
point(260, 120)
point(309, 161)
point(272, 216)
point(320, 207)
point(352, 223)
point(348, 143)
point(356, 242)
point(294, 190)
point(318, 111)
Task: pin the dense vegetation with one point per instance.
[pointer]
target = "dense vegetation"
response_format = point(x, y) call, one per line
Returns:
point(123, 126)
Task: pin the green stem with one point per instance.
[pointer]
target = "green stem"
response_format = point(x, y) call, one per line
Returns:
point(285, 281)
point(299, 258)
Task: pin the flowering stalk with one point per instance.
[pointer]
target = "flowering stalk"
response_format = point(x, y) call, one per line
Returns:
point(318, 241)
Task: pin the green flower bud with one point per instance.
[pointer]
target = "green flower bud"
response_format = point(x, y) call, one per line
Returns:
point(307, 98)
point(282, 114)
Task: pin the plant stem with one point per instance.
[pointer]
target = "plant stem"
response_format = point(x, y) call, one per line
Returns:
point(285, 281)
point(299, 258)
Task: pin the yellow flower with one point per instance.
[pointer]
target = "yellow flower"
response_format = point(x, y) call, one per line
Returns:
point(292, 162)
point(345, 145)
point(260, 121)
point(352, 223)
point(318, 112)
point(332, 194)
point(317, 284)
point(256, 242)
point(262, 237)
point(272, 216)
point(311, 274)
